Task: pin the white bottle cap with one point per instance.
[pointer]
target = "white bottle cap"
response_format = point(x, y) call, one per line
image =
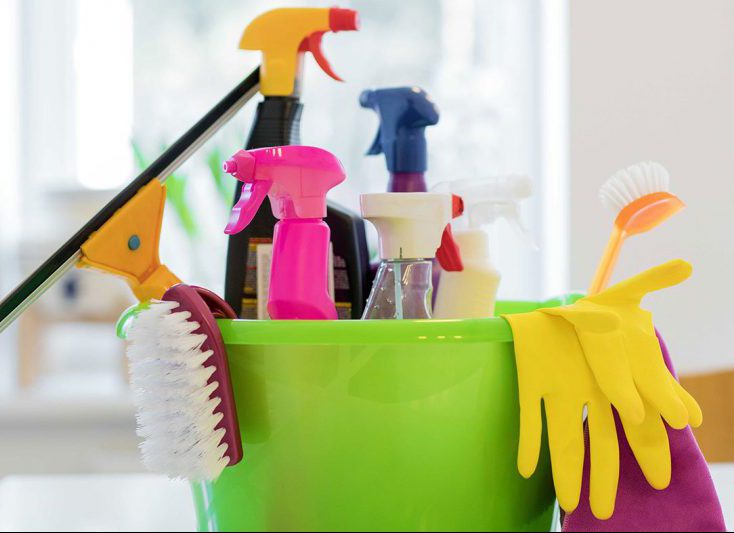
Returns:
point(409, 224)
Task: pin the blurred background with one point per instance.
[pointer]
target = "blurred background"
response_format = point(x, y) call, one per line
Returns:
point(566, 91)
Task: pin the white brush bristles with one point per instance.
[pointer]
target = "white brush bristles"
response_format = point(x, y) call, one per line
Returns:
point(634, 182)
point(175, 414)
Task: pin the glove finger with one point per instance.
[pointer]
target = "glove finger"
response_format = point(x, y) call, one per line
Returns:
point(530, 386)
point(650, 446)
point(695, 415)
point(604, 460)
point(606, 354)
point(586, 318)
point(566, 442)
point(531, 432)
point(655, 383)
point(654, 279)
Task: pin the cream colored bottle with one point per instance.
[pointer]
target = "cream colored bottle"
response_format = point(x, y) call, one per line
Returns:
point(472, 292)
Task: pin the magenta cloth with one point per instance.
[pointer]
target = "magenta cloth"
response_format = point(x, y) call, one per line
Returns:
point(690, 503)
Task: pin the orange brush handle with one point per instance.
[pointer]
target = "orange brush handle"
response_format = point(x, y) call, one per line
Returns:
point(608, 261)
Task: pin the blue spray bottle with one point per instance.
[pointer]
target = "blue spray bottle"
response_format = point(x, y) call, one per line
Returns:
point(404, 114)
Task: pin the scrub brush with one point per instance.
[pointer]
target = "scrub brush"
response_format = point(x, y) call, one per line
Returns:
point(641, 195)
point(182, 391)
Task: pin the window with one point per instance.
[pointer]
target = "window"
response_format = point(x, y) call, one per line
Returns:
point(95, 76)
point(9, 176)
point(483, 61)
point(77, 93)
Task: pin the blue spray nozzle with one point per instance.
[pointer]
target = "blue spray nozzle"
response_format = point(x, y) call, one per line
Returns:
point(404, 114)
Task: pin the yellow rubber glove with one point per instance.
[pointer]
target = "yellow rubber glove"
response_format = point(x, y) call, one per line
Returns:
point(552, 369)
point(628, 366)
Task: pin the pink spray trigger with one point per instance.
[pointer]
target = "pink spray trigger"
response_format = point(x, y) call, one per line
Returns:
point(449, 253)
point(242, 167)
point(253, 195)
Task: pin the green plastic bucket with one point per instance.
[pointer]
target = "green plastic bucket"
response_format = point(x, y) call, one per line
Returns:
point(376, 426)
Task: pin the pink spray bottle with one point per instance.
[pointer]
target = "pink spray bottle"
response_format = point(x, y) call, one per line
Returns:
point(296, 180)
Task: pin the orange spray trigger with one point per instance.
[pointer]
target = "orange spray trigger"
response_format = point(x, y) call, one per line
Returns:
point(449, 253)
point(313, 44)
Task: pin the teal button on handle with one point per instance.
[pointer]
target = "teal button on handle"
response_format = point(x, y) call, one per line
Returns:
point(133, 243)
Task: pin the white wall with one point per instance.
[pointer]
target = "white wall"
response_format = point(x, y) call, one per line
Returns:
point(655, 80)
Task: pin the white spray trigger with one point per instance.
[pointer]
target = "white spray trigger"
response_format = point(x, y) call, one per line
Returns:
point(487, 200)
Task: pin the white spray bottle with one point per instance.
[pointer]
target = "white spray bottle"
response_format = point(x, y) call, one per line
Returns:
point(472, 292)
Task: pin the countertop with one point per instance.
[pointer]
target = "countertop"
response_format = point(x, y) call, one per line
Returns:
point(140, 502)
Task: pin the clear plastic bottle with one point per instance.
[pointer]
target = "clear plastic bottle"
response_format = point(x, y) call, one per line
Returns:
point(402, 289)
point(412, 228)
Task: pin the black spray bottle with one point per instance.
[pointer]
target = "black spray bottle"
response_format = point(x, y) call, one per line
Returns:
point(284, 36)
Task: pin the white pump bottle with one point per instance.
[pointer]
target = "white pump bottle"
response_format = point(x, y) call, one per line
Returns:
point(472, 292)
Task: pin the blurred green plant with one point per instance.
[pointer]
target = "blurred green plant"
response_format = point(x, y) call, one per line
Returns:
point(177, 186)
point(224, 183)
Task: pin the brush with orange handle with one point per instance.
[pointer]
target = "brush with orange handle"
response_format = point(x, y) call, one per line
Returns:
point(641, 195)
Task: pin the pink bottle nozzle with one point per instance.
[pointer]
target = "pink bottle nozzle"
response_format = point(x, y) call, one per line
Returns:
point(295, 178)
point(241, 165)
point(343, 19)
point(230, 166)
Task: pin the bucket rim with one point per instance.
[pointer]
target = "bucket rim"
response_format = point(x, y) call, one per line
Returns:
point(367, 332)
